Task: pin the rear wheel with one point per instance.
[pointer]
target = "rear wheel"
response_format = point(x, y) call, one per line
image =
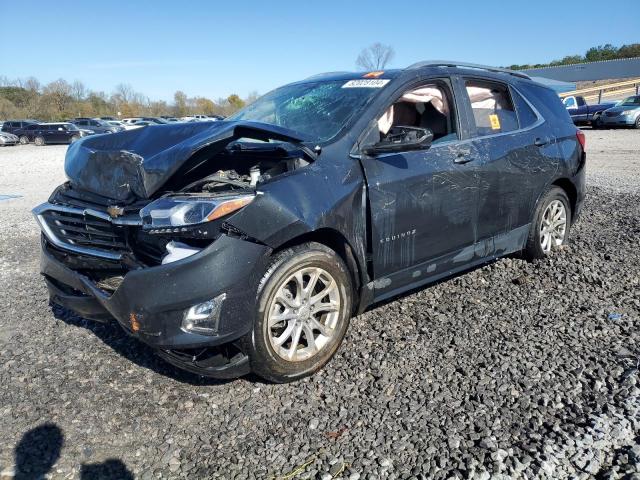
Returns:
point(304, 307)
point(24, 140)
point(550, 227)
point(39, 141)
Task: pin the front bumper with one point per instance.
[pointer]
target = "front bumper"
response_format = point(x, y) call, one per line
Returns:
point(156, 298)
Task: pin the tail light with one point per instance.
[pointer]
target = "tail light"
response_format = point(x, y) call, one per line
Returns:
point(582, 139)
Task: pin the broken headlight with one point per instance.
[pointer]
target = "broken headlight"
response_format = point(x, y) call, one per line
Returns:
point(177, 213)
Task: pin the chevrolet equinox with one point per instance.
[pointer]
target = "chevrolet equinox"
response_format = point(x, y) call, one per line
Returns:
point(246, 245)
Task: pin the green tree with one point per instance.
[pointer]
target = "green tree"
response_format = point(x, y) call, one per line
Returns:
point(235, 102)
point(601, 52)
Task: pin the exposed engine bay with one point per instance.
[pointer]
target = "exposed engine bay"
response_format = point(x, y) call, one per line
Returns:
point(240, 167)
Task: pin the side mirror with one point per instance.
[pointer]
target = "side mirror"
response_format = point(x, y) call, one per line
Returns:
point(401, 139)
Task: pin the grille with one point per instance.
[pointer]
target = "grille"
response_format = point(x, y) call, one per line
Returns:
point(612, 114)
point(82, 230)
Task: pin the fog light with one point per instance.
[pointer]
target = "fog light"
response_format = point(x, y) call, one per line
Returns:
point(203, 318)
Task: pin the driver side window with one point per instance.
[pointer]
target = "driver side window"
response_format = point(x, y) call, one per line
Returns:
point(429, 107)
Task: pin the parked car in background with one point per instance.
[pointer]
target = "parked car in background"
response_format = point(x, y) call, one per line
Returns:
point(107, 118)
point(584, 114)
point(624, 114)
point(158, 120)
point(154, 120)
point(199, 118)
point(137, 124)
point(98, 126)
point(10, 126)
point(49, 133)
point(128, 120)
point(7, 139)
point(385, 182)
point(115, 123)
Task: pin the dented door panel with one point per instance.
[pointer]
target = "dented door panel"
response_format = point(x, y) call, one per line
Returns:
point(423, 204)
point(513, 173)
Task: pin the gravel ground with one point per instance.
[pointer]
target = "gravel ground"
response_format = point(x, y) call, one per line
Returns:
point(514, 370)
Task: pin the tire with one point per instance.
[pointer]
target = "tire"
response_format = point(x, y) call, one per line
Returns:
point(596, 124)
point(39, 141)
point(75, 138)
point(270, 345)
point(24, 140)
point(552, 204)
point(637, 124)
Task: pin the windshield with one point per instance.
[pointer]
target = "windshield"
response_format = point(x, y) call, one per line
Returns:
point(70, 127)
point(317, 109)
point(631, 101)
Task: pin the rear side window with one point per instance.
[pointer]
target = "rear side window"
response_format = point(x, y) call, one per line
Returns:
point(526, 115)
point(546, 101)
point(492, 107)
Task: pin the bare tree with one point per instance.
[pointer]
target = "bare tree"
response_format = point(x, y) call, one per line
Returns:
point(375, 56)
point(78, 90)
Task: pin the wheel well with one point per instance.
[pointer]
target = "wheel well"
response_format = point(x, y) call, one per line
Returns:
point(339, 244)
point(570, 189)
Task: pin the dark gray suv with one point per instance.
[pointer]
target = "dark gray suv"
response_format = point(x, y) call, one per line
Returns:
point(248, 244)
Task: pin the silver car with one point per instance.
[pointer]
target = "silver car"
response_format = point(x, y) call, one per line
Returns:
point(8, 139)
point(624, 114)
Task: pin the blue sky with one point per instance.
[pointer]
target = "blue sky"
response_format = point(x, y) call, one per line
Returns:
point(217, 48)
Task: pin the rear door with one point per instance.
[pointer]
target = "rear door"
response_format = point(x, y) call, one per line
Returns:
point(520, 156)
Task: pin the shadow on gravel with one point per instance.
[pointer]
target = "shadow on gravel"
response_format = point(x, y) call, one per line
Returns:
point(39, 450)
point(130, 348)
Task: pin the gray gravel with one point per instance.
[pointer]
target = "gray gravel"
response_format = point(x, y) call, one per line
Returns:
point(514, 370)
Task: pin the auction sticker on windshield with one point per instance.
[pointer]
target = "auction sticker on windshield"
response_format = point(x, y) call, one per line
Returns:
point(369, 83)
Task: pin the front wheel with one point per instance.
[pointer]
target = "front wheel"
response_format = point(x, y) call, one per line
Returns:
point(304, 307)
point(39, 141)
point(637, 124)
point(75, 138)
point(550, 227)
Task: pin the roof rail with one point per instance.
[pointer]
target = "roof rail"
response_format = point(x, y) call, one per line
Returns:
point(326, 74)
point(451, 63)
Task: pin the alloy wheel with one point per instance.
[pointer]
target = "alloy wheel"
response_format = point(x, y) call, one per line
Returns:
point(553, 226)
point(303, 315)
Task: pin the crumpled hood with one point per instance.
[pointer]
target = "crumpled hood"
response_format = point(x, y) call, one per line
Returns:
point(138, 162)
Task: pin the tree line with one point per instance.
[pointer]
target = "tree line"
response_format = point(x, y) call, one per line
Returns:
point(60, 100)
point(594, 54)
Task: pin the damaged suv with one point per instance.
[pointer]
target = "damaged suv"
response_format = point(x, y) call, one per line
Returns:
point(248, 244)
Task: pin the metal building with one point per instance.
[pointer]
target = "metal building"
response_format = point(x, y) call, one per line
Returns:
point(583, 72)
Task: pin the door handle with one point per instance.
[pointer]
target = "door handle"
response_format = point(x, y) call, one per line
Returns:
point(541, 142)
point(461, 159)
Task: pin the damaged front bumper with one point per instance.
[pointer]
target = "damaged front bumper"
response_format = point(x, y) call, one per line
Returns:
point(151, 303)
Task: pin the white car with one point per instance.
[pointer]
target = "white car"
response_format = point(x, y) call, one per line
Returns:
point(136, 124)
point(198, 118)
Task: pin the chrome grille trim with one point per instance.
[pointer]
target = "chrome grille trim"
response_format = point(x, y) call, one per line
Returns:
point(39, 213)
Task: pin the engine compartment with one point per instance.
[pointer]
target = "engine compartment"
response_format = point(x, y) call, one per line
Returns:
point(241, 166)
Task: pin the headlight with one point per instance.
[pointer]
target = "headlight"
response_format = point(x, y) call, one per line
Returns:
point(630, 113)
point(174, 214)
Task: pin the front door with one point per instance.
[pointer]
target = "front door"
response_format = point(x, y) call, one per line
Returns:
point(423, 204)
